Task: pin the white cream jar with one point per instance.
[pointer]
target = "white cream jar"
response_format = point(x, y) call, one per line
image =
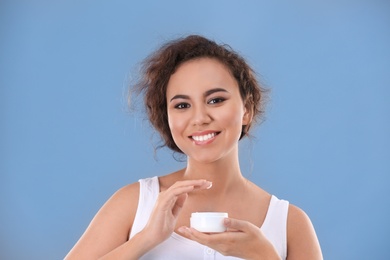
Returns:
point(208, 222)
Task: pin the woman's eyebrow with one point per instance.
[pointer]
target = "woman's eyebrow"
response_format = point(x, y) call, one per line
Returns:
point(207, 93)
point(213, 90)
point(179, 96)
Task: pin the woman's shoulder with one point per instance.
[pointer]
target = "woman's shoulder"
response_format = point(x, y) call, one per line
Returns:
point(114, 219)
point(297, 219)
point(124, 201)
point(301, 236)
point(128, 192)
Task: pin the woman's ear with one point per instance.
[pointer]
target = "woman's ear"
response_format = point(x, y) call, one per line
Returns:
point(246, 121)
point(248, 115)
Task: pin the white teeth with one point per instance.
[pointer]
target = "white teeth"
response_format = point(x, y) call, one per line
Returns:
point(202, 138)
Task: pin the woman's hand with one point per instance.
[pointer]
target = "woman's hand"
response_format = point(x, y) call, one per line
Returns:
point(164, 216)
point(242, 239)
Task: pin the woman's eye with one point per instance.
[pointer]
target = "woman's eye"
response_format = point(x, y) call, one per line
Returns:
point(182, 106)
point(216, 100)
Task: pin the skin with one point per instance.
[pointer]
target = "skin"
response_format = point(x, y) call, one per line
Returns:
point(203, 100)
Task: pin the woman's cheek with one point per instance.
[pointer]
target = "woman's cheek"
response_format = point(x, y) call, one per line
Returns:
point(177, 127)
point(231, 117)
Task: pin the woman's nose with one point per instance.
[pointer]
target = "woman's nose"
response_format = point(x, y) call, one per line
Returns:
point(201, 115)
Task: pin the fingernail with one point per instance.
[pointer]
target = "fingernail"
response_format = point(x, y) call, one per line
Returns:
point(210, 184)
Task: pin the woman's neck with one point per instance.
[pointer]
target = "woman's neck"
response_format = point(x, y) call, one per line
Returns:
point(225, 173)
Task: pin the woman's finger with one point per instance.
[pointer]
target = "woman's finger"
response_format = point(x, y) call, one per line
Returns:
point(193, 234)
point(236, 224)
point(179, 204)
point(196, 184)
point(187, 186)
point(178, 191)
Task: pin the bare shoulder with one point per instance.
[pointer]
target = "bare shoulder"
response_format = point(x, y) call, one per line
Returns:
point(122, 205)
point(128, 194)
point(302, 241)
point(111, 225)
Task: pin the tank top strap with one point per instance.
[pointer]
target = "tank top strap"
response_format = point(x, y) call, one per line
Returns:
point(275, 225)
point(149, 189)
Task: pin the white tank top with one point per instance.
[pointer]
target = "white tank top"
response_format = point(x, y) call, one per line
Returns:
point(179, 247)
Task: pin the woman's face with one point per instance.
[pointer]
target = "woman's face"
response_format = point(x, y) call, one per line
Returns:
point(205, 110)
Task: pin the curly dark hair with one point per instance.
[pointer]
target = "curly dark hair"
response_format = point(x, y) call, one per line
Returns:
point(157, 69)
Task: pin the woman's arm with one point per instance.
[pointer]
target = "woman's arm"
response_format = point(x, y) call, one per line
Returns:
point(110, 227)
point(106, 237)
point(302, 241)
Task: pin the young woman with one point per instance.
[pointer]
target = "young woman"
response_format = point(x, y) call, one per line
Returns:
point(202, 98)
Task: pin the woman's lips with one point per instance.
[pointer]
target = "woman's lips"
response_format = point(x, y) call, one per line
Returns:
point(203, 138)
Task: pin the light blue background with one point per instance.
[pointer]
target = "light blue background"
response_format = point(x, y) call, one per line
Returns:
point(68, 140)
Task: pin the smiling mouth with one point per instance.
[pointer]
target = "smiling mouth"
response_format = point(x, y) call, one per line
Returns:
point(202, 138)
